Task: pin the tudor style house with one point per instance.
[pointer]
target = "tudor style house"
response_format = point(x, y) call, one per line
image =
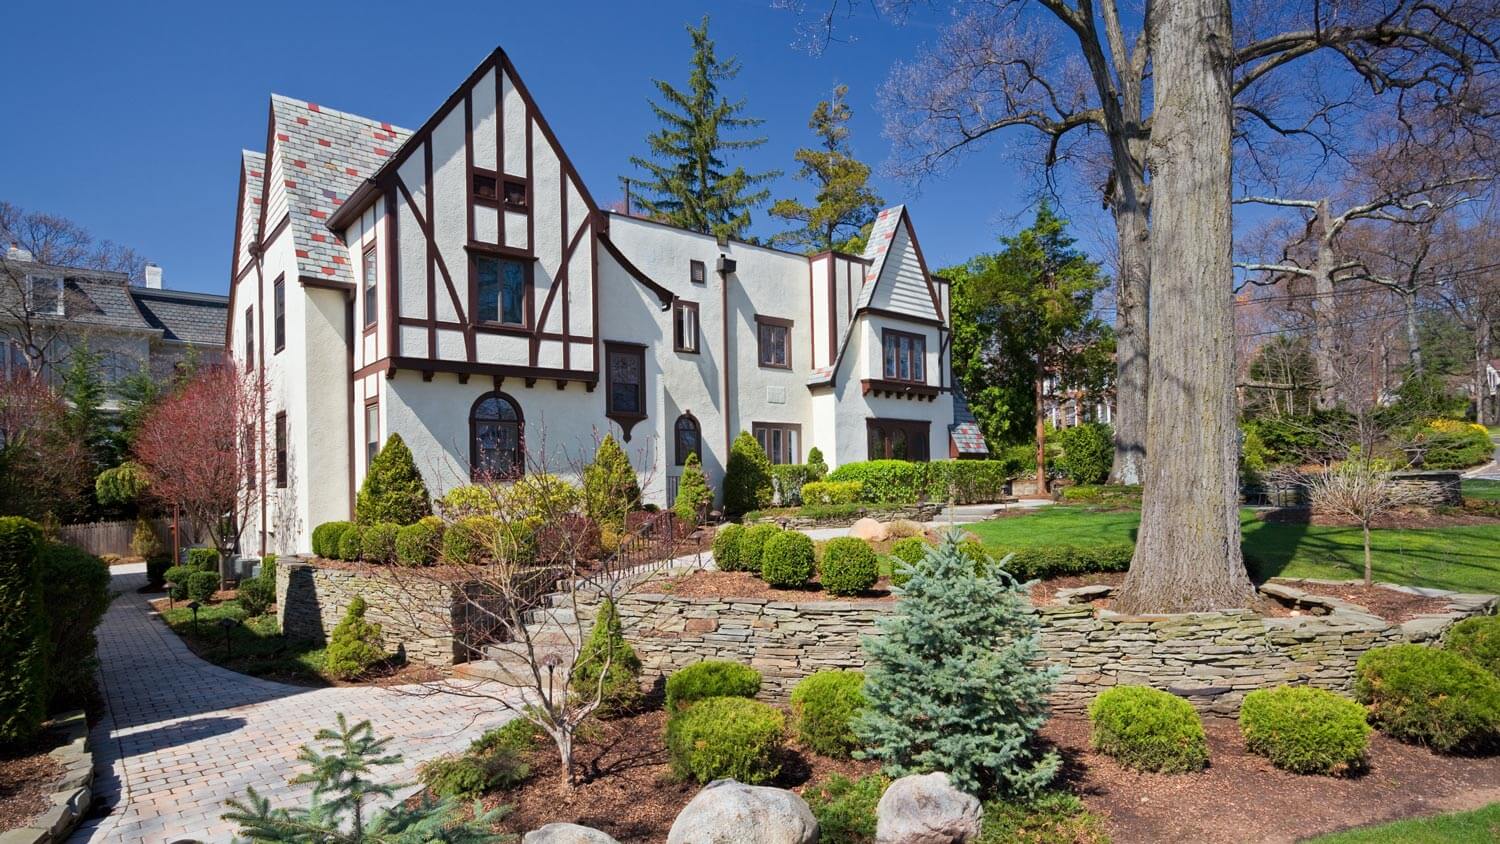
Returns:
point(459, 285)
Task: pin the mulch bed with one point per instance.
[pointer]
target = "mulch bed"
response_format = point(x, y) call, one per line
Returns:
point(741, 584)
point(1389, 604)
point(1242, 797)
point(628, 789)
point(26, 778)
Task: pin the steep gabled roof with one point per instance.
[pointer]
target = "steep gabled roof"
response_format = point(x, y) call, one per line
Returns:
point(197, 318)
point(325, 155)
point(877, 249)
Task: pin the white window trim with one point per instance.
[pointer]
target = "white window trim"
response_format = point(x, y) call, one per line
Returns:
point(57, 281)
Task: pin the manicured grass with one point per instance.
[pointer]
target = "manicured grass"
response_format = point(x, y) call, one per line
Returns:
point(256, 646)
point(1463, 558)
point(1481, 489)
point(1480, 825)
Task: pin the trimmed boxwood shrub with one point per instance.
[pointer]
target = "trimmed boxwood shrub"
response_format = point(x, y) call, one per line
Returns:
point(752, 546)
point(23, 632)
point(1305, 730)
point(156, 571)
point(1039, 562)
point(901, 482)
point(823, 704)
point(1429, 697)
point(831, 493)
point(470, 539)
point(377, 543)
point(910, 551)
point(711, 678)
point(1148, 729)
point(203, 559)
point(849, 566)
point(75, 594)
point(885, 481)
point(1477, 639)
point(417, 544)
point(177, 582)
point(726, 738)
point(726, 547)
point(326, 538)
point(256, 595)
point(351, 543)
point(201, 585)
point(788, 559)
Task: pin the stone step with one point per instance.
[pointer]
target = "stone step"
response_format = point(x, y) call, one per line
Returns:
point(559, 615)
point(542, 645)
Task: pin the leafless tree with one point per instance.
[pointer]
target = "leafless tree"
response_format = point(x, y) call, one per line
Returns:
point(1364, 490)
point(1468, 289)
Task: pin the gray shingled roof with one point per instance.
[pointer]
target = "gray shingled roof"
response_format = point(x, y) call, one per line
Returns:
point(197, 318)
point(325, 155)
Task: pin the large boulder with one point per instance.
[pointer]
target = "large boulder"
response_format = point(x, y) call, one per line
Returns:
point(926, 809)
point(730, 812)
point(869, 530)
point(566, 833)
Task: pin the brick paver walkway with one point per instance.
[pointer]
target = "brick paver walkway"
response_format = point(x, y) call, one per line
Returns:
point(182, 735)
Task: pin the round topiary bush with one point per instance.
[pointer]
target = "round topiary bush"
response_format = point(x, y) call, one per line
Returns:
point(351, 543)
point(1305, 730)
point(325, 539)
point(1477, 639)
point(711, 678)
point(910, 551)
point(201, 585)
point(417, 544)
point(849, 566)
point(470, 539)
point(1148, 729)
point(753, 544)
point(1430, 697)
point(823, 704)
point(727, 547)
point(377, 543)
point(726, 738)
point(788, 559)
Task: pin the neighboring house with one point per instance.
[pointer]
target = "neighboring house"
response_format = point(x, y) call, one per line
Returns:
point(130, 327)
point(1066, 407)
point(459, 286)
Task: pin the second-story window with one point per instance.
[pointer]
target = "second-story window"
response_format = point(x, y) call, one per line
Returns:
point(45, 295)
point(367, 268)
point(774, 339)
point(625, 376)
point(685, 326)
point(278, 326)
point(250, 338)
point(905, 357)
point(502, 287)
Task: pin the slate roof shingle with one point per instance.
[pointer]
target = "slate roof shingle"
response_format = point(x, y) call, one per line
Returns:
point(196, 318)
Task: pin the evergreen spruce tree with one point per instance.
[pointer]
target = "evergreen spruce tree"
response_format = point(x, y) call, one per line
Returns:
point(747, 477)
point(86, 422)
point(693, 492)
point(610, 487)
point(355, 644)
point(817, 467)
point(606, 644)
point(846, 206)
point(393, 490)
point(343, 788)
point(689, 184)
point(954, 681)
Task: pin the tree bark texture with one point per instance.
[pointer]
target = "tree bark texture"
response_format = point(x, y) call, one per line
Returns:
point(1187, 554)
point(1132, 350)
point(1481, 373)
point(1413, 338)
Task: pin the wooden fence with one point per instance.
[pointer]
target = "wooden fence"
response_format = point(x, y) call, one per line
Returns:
point(114, 537)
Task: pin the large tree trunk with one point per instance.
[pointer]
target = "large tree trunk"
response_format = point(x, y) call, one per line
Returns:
point(1481, 366)
point(1132, 358)
point(1325, 310)
point(1187, 556)
point(1413, 339)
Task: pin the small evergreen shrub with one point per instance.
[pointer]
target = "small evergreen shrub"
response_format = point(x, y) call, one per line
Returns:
point(203, 559)
point(1088, 452)
point(753, 546)
point(823, 707)
point(515, 736)
point(122, 484)
point(1477, 639)
point(726, 547)
point(256, 596)
point(787, 481)
point(1305, 730)
point(355, 645)
point(1039, 562)
point(417, 544)
point(906, 554)
point(75, 594)
point(849, 566)
point(377, 542)
point(156, 571)
point(470, 500)
point(845, 808)
point(469, 776)
point(610, 486)
point(393, 489)
point(1430, 697)
point(177, 581)
point(201, 586)
point(885, 481)
point(694, 496)
point(469, 540)
point(143, 539)
point(621, 691)
point(787, 560)
point(1148, 729)
point(747, 476)
point(351, 543)
point(711, 678)
point(831, 493)
point(23, 632)
point(1052, 817)
point(817, 467)
point(726, 738)
point(326, 538)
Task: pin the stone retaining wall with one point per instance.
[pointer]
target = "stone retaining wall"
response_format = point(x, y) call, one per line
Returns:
point(1212, 659)
point(1435, 488)
point(71, 795)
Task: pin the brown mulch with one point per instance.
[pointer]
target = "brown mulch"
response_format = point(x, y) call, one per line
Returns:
point(1414, 518)
point(1045, 591)
point(742, 584)
point(628, 790)
point(1242, 797)
point(1389, 604)
point(26, 778)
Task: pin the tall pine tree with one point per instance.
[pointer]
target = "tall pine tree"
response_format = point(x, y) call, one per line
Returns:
point(689, 184)
point(846, 206)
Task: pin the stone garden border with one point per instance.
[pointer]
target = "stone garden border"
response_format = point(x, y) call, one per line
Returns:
point(72, 793)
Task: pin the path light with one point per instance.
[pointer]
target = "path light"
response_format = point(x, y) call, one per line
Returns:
point(227, 624)
point(193, 605)
point(551, 662)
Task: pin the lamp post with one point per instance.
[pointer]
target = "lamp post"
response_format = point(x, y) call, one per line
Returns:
point(227, 625)
point(193, 605)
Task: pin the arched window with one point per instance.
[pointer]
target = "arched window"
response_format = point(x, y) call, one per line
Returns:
point(688, 437)
point(495, 438)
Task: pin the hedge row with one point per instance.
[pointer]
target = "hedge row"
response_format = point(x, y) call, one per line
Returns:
point(903, 482)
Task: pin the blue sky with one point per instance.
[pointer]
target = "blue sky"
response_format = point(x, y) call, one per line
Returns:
point(129, 117)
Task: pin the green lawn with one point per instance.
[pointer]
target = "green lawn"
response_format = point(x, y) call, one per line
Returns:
point(1462, 558)
point(255, 646)
point(1477, 826)
point(1481, 489)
